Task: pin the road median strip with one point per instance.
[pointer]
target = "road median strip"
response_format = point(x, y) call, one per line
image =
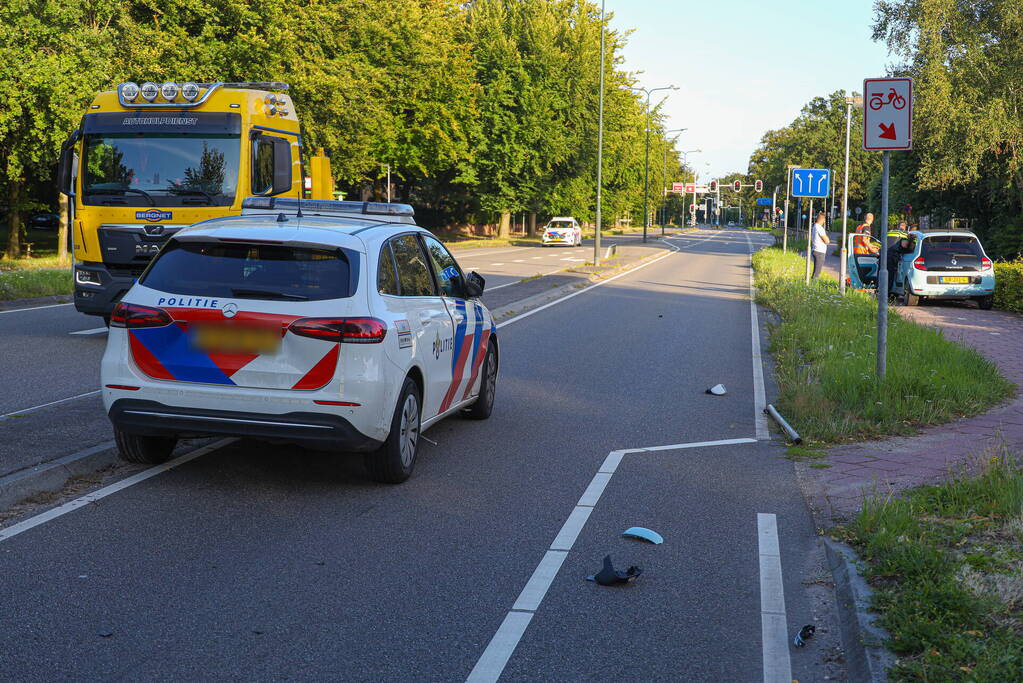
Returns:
point(825, 351)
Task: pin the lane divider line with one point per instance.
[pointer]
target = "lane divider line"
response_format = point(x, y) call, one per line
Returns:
point(26, 411)
point(71, 506)
point(95, 330)
point(33, 308)
point(491, 664)
point(759, 394)
point(773, 621)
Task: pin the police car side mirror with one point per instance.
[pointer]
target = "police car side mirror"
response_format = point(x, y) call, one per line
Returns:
point(474, 285)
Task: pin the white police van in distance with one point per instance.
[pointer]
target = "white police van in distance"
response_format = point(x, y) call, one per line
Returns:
point(563, 230)
point(344, 327)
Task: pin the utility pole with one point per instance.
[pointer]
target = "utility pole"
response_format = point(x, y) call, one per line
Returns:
point(664, 176)
point(850, 102)
point(600, 139)
point(646, 163)
point(785, 228)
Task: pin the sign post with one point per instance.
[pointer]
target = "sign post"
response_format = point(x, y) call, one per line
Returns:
point(887, 126)
point(811, 183)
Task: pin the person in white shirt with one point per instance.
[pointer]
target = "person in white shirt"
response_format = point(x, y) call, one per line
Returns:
point(819, 245)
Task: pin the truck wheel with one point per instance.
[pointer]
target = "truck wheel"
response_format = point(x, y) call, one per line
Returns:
point(144, 450)
point(393, 462)
point(985, 302)
point(912, 299)
point(484, 405)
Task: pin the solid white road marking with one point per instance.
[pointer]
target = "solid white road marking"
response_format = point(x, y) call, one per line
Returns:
point(497, 653)
point(518, 260)
point(95, 330)
point(759, 400)
point(26, 411)
point(497, 264)
point(536, 257)
point(73, 505)
point(490, 665)
point(34, 308)
point(773, 623)
point(543, 576)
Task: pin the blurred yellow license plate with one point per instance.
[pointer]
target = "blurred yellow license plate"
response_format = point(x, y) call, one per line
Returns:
point(225, 339)
point(955, 280)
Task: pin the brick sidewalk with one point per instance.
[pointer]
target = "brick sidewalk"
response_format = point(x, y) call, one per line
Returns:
point(891, 465)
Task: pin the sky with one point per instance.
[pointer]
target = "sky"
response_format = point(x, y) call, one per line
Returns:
point(744, 67)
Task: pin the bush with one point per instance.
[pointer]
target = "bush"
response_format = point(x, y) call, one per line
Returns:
point(24, 284)
point(1009, 286)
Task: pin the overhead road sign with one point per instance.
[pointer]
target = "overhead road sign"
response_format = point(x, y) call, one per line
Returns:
point(698, 189)
point(887, 113)
point(678, 188)
point(764, 201)
point(814, 183)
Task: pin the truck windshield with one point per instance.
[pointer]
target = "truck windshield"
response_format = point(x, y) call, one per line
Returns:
point(160, 169)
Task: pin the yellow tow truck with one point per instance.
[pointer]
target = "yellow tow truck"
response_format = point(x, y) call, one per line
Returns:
point(150, 159)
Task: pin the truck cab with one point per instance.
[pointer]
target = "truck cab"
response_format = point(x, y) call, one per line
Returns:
point(149, 160)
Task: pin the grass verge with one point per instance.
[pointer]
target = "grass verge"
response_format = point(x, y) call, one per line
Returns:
point(946, 564)
point(25, 284)
point(825, 350)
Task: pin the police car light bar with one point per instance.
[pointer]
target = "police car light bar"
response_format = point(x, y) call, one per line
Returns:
point(327, 207)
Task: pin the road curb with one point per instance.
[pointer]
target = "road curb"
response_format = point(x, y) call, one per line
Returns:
point(867, 659)
point(52, 476)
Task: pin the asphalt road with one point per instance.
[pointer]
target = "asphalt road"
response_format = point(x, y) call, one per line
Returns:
point(266, 562)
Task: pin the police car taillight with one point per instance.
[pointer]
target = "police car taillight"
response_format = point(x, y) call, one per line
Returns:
point(133, 316)
point(348, 330)
point(920, 263)
point(985, 263)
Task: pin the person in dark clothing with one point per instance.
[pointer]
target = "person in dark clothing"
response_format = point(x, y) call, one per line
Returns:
point(898, 244)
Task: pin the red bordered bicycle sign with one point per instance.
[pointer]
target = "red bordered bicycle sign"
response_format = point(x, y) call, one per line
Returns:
point(888, 113)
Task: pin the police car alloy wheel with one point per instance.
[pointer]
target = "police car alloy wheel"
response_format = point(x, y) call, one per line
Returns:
point(393, 462)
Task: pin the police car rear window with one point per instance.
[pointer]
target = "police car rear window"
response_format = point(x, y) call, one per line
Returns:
point(251, 271)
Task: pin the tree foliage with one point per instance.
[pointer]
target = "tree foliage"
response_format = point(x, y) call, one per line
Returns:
point(480, 108)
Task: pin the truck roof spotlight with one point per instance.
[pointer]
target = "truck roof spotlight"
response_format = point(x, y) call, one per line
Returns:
point(129, 91)
point(190, 91)
point(149, 91)
point(169, 90)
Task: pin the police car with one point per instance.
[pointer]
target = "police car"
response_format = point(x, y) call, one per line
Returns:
point(563, 230)
point(341, 327)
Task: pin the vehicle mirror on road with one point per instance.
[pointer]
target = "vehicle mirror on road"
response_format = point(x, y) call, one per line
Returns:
point(644, 534)
point(474, 285)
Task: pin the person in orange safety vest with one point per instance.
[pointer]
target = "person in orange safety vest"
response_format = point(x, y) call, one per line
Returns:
point(862, 244)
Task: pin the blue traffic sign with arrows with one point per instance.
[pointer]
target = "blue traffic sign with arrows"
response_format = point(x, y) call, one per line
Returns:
point(811, 182)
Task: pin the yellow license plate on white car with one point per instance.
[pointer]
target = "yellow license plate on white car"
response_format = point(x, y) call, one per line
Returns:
point(955, 280)
point(236, 339)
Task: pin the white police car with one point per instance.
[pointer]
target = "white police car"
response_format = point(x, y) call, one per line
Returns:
point(347, 328)
point(563, 230)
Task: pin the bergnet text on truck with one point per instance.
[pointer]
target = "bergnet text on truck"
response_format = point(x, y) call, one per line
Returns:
point(149, 160)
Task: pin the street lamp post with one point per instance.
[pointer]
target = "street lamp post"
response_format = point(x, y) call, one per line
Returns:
point(646, 164)
point(600, 139)
point(850, 102)
point(664, 176)
point(685, 162)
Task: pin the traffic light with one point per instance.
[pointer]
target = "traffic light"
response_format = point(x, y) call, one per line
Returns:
point(758, 185)
point(737, 185)
point(713, 186)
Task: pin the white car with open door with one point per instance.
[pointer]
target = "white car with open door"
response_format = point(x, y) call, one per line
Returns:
point(347, 329)
point(563, 230)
